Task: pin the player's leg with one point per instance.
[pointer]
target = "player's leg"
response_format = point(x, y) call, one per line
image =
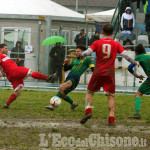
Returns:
point(109, 88)
point(88, 110)
point(111, 105)
point(72, 84)
point(13, 97)
point(93, 86)
point(138, 96)
point(143, 89)
point(64, 89)
point(23, 72)
point(37, 75)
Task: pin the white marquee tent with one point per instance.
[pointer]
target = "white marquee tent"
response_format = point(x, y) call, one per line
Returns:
point(46, 10)
point(104, 16)
point(38, 7)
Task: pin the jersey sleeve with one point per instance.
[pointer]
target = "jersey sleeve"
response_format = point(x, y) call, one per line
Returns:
point(120, 48)
point(93, 46)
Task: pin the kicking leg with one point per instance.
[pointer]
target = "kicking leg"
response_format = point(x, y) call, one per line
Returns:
point(62, 94)
point(37, 75)
point(13, 97)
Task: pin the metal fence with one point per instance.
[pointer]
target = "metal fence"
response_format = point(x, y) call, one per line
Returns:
point(31, 39)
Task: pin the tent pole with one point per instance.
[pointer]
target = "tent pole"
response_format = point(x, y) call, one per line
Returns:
point(87, 41)
point(38, 45)
point(76, 5)
point(47, 48)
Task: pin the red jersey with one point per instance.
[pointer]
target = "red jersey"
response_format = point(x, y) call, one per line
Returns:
point(7, 64)
point(106, 51)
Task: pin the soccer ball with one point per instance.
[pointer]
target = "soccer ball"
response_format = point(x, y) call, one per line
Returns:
point(55, 101)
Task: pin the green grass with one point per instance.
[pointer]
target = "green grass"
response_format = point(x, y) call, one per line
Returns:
point(30, 106)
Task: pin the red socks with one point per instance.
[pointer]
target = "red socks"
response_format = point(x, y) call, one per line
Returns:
point(111, 119)
point(37, 75)
point(88, 111)
point(11, 99)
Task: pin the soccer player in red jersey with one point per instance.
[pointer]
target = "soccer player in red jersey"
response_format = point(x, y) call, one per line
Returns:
point(104, 73)
point(16, 74)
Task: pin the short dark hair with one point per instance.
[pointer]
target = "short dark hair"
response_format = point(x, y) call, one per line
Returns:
point(18, 42)
point(108, 29)
point(96, 31)
point(2, 45)
point(139, 49)
point(81, 46)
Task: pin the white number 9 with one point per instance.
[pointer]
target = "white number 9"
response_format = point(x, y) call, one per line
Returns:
point(108, 48)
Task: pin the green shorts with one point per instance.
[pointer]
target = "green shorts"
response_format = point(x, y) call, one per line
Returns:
point(74, 85)
point(145, 87)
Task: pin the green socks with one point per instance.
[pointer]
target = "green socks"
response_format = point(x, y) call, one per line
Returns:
point(137, 105)
point(67, 99)
point(59, 95)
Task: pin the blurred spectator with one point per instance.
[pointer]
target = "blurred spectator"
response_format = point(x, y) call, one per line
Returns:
point(57, 58)
point(128, 45)
point(147, 18)
point(81, 37)
point(127, 20)
point(18, 52)
point(124, 4)
point(95, 37)
point(139, 3)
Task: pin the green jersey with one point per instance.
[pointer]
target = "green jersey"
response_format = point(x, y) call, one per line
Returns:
point(79, 66)
point(144, 60)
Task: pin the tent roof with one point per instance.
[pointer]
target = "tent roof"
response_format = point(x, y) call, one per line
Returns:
point(37, 7)
point(104, 16)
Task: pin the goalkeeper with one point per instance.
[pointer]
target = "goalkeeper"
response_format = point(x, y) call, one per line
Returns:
point(144, 60)
point(77, 67)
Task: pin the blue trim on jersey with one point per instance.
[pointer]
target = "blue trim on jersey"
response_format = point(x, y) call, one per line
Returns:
point(130, 68)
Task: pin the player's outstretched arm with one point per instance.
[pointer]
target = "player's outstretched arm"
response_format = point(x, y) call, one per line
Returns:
point(87, 52)
point(130, 69)
point(128, 58)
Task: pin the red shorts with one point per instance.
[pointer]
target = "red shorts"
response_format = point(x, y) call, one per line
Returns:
point(16, 77)
point(107, 82)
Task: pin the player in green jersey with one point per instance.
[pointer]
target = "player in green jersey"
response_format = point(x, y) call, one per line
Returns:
point(77, 67)
point(144, 60)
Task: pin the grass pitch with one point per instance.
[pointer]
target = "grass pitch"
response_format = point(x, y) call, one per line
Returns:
point(22, 125)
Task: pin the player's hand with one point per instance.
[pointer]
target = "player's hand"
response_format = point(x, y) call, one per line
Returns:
point(66, 61)
point(140, 77)
point(1, 74)
point(84, 54)
point(17, 60)
point(138, 64)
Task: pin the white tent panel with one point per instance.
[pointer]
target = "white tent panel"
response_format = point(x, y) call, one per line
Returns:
point(37, 7)
point(104, 16)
